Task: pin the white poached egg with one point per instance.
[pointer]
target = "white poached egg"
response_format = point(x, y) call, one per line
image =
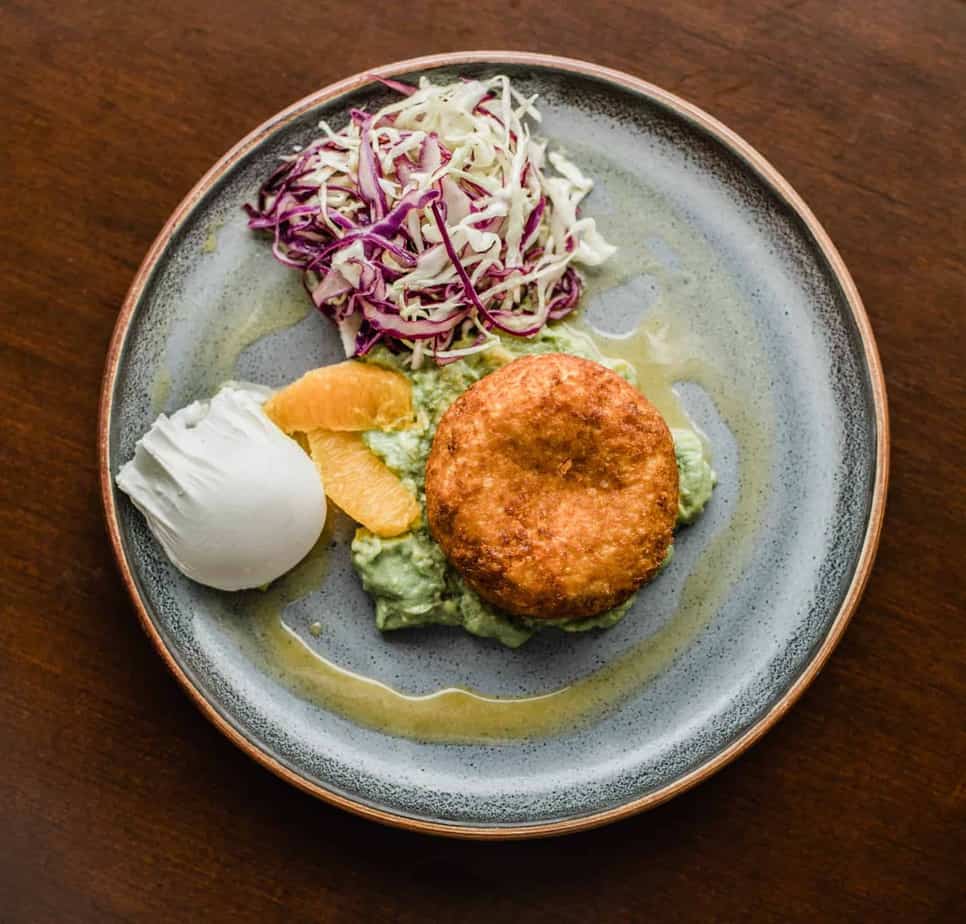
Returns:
point(234, 502)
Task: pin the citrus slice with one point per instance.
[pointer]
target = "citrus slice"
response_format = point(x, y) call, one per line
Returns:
point(360, 483)
point(344, 396)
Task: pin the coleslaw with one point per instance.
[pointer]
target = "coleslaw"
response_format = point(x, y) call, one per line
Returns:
point(435, 223)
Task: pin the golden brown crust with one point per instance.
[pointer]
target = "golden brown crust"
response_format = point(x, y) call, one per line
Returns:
point(552, 487)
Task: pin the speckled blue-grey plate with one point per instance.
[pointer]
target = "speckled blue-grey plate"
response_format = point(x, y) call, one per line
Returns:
point(787, 386)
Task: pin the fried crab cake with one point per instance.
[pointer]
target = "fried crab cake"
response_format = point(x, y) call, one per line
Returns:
point(552, 487)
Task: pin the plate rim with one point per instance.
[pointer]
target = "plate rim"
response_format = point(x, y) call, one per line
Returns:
point(748, 155)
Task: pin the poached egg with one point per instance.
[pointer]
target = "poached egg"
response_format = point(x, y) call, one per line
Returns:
point(234, 502)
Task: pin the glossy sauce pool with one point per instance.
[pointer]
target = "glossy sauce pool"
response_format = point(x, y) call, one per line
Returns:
point(458, 715)
point(674, 343)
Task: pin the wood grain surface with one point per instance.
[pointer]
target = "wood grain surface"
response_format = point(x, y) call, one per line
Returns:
point(119, 802)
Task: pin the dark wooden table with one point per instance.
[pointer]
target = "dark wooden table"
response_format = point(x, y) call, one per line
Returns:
point(118, 801)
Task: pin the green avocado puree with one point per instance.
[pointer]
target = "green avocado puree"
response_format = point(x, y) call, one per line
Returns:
point(408, 576)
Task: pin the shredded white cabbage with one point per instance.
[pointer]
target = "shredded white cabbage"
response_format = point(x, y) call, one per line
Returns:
point(435, 220)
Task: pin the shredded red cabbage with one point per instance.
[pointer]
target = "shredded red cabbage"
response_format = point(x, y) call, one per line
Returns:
point(433, 223)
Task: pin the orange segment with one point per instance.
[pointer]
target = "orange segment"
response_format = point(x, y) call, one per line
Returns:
point(345, 396)
point(359, 482)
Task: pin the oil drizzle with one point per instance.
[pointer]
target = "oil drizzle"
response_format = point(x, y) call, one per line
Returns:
point(220, 354)
point(662, 353)
point(679, 340)
point(160, 388)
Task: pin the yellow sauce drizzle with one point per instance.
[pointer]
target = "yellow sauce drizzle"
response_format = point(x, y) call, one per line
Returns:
point(667, 348)
point(661, 355)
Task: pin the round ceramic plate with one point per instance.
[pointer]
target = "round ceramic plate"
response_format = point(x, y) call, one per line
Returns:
point(706, 227)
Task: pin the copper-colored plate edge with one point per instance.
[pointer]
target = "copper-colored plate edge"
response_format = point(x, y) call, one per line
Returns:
point(767, 172)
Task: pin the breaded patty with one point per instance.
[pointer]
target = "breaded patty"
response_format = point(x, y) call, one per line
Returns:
point(552, 487)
